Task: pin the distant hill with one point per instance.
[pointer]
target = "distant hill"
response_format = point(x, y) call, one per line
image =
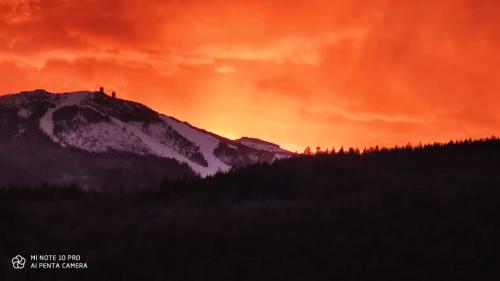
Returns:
point(93, 139)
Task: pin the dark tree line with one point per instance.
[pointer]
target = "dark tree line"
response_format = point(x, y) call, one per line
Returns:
point(408, 213)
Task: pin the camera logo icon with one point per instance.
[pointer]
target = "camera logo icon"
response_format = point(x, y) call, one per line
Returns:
point(18, 262)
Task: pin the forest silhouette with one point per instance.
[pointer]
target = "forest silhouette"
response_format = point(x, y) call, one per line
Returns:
point(428, 212)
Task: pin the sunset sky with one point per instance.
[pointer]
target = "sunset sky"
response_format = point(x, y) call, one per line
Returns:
point(297, 73)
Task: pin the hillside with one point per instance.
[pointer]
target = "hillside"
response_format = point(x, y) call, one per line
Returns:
point(82, 128)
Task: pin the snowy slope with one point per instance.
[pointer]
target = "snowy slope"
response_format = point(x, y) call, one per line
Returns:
point(98, 123)
point(46, 122)
point(264, 146)
point(207, 144)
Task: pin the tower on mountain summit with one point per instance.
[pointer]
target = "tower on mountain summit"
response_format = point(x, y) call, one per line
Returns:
point(101, 90)
point(113, 94)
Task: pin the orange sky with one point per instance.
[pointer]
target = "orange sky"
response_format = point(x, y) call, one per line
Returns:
point(328, 73)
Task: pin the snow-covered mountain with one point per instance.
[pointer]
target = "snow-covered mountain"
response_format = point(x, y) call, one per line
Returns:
point(96, 123)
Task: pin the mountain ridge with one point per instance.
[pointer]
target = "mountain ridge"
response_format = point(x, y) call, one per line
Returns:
point(97, 123)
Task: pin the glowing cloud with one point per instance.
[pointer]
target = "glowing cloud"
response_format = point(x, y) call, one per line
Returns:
point(298, 73)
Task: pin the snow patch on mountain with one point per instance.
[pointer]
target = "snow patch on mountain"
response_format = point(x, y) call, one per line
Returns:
point(206, 142)
point(264, 146)
point(47, 123)
point(104, 137)
point(159, 149)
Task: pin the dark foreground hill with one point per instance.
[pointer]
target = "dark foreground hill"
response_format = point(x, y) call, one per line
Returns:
point(430, 213)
